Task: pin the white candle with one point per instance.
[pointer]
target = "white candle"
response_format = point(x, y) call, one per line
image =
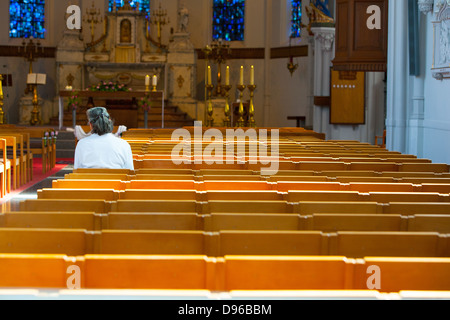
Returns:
point(241, 79)
point(227, 76)
point(155, 80)
point(252, 76)
point(147, 80)
point(209, 75)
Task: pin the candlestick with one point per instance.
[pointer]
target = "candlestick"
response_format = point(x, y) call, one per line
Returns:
point(154, 82)
point(251, 108)
point(241, 78)
point(227, 76)
point(209, 76)
point(147, 83)
point(227, 121)
point(252, 76)
point(210, 119)
point(241, 121)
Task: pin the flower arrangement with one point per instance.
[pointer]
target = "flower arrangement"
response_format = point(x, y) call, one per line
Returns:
point(74, 101)
point(108, 86)
point(145, 103)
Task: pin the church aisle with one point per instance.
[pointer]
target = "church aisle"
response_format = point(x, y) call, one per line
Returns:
point(29, 191)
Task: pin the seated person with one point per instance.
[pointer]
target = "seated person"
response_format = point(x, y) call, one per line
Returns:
point(102, 149)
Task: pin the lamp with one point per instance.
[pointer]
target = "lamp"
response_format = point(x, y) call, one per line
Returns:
point(35, 79)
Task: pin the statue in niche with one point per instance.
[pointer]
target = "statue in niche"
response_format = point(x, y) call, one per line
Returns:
point(318, 11)
point(183, 19)
point(125, 31)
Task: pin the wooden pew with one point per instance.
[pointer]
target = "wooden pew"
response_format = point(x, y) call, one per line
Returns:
point(85, 193)
point(64, 205)
point(16, 164)
point(152, 242)
point(5, 169)
point(51, 220)
point(52, 241)
point(388, 244)
point(287, 273)
point(404, 273)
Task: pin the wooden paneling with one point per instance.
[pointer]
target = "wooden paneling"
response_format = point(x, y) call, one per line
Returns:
point(347, 98)
point(359, 48)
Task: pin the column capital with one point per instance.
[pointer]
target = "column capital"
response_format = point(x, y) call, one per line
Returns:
point(425, 6)
point(325, 36)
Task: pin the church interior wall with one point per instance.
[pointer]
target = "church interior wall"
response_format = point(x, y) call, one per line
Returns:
point(437, 106)
point(278, 94)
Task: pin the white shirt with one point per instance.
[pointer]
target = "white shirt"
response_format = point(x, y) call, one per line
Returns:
point(106, 151)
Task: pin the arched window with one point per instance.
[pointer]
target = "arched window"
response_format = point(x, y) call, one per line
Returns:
point(144, 5)
point(26, 19)
point(228, 20)
point(296, 19)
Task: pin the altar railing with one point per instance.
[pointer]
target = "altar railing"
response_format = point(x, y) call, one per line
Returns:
point(93, 96)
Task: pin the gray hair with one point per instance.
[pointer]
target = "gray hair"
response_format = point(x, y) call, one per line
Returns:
point(100, 120)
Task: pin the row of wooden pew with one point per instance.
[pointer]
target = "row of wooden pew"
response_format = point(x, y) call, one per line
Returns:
point(334, 212)
point(231, 273)
point(18, 146)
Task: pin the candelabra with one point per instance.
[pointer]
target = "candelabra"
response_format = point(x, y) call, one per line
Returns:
point(2, 113)
point(219, 52)
point(93, 17)
point(227, 121)
point(251, 108)
point(241, 121)
point(210, 119)
point(160, 19)
point(30, 51)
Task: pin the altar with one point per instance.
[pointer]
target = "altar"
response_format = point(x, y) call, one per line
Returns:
point(126, 53)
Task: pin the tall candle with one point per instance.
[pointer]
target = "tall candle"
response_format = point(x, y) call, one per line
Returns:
point(209, 75)
point(241, 79)
point(252, 76)
point(1, 86)
point(155, 80)
point(227, 76)
point(147, 80)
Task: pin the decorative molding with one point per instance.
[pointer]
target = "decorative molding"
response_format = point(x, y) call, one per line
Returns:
point(287, 52)
point(326, 39)
point(425, 6)
point(243, 53)
point(12, 51)
point(441, 42)
point(259, 53)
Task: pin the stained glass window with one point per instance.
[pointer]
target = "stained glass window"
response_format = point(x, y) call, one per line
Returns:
point(296, 19)
point(26, 19)
point(228, 20)
point(144, 5)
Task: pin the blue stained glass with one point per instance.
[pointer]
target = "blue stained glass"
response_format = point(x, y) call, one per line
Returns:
point(296, 19)
point(144, 5)
point(27, 19)
point(228, 20)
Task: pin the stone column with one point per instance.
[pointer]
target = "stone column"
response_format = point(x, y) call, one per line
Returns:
point(324, 40)
point(397, 77)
